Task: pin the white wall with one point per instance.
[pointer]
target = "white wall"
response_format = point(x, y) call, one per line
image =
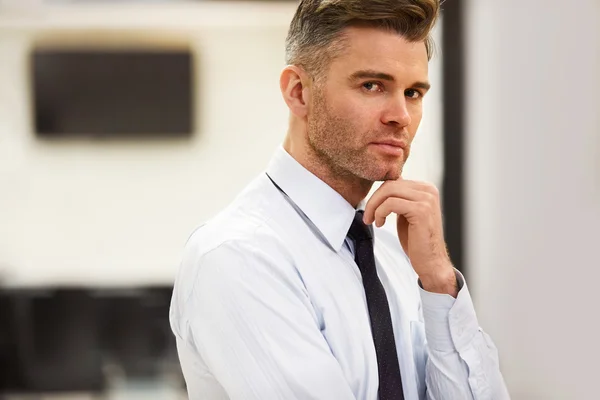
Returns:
point(534, 190)
point(114, 213)
point(118, 213)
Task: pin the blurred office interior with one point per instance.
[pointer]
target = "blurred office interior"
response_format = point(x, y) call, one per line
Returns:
point(125, 124)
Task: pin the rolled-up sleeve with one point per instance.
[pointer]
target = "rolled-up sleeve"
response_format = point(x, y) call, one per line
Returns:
point(463, 362)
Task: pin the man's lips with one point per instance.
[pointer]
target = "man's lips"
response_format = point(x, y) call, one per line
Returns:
point(391, 146)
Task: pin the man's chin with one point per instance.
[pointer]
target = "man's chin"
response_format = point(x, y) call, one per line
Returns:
point(390, 175)
point(389, 170)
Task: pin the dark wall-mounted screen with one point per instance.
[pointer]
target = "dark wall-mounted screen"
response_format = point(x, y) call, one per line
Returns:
point(112, 93)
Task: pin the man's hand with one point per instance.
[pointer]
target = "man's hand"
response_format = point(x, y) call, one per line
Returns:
point(419, 224)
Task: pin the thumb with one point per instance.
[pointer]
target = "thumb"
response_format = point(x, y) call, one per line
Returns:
point(402, 226)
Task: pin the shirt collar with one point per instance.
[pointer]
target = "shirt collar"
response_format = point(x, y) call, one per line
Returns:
point(326, 208)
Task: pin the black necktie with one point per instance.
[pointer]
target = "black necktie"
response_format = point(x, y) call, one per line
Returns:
point(390, 383)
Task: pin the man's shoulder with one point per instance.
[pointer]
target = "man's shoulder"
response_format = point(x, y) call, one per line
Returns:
point(247, 225)
point(234, 233)
point(241, 239)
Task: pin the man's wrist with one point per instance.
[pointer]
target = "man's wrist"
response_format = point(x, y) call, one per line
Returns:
point(443, 282)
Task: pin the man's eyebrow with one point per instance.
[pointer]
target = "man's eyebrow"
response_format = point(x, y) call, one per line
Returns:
point(421, 85)
point(372, 74)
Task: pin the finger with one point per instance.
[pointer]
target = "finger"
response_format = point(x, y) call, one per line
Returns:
point(411, 190)
point(421, 186)
point(402, 227)
point(398, 190)
point(392, 205)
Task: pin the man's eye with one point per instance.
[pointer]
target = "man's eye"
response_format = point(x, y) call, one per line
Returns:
point(372, 86)
point(413, 94)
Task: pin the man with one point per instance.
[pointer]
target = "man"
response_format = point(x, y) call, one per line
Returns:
point(290, 292)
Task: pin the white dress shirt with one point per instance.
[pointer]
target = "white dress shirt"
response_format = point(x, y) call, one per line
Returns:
point(269, 304)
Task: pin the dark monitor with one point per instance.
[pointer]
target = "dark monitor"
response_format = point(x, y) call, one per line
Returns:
point(112, 93)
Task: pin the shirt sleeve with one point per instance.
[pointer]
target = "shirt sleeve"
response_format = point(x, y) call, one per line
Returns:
point(252, 323)
point(462, 360)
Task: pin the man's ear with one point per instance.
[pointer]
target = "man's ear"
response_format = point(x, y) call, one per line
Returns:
point(296, 86)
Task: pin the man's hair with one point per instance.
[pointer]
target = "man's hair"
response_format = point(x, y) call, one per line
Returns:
point(315, 36)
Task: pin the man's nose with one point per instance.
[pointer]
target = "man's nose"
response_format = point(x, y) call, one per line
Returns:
point(397, 112)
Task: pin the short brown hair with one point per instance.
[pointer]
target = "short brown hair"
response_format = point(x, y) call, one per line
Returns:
point(315, 34)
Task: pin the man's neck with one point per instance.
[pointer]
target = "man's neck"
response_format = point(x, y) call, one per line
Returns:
point(350, 187)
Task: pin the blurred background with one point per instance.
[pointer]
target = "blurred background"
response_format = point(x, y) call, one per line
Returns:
point(125, 124)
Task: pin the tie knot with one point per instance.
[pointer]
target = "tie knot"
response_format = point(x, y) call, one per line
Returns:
point(359, 230)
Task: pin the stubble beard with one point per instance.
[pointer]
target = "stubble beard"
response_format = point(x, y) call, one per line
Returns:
point(328, 138)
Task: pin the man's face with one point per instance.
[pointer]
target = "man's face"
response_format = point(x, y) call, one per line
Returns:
point(366, 112)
